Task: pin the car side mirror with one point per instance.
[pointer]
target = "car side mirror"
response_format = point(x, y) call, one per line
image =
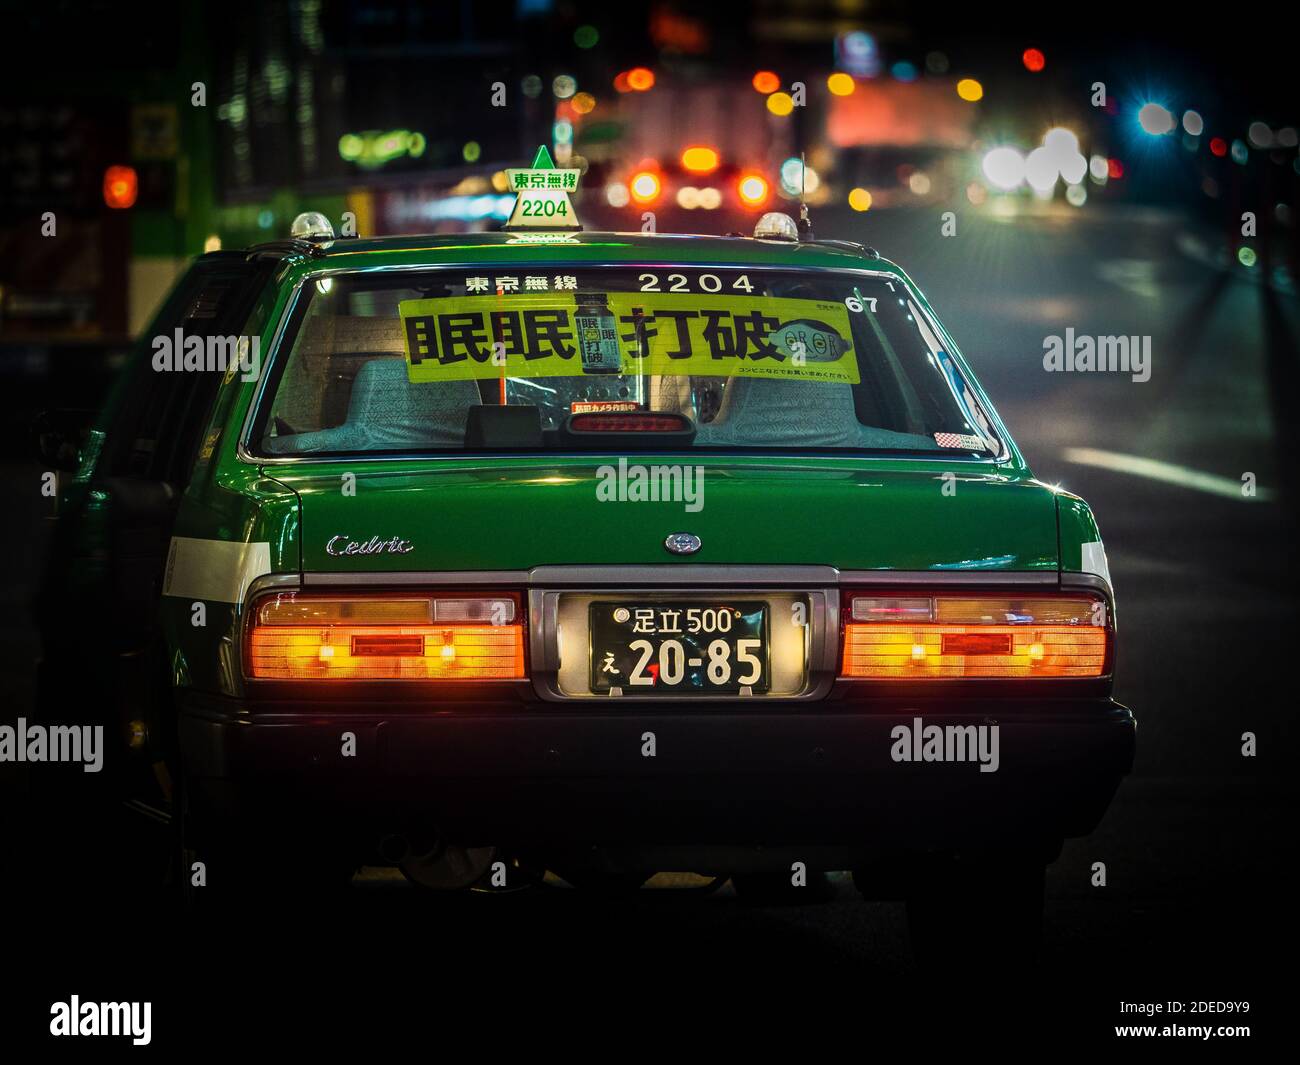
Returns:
point(58, 437)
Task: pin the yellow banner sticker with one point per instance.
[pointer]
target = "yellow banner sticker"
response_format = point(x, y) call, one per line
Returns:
point(551, 334)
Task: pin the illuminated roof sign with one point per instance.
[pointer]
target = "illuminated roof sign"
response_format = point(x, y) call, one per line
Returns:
point(542, 195)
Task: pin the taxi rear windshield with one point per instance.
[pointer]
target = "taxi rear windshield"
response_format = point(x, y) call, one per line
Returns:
point(739, 360)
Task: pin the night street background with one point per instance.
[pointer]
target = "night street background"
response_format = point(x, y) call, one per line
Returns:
point(1197, 843)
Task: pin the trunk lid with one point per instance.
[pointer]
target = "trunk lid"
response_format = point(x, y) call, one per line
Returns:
point(518, 512)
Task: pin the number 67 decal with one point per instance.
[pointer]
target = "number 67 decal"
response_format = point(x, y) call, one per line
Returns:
point(855, 302)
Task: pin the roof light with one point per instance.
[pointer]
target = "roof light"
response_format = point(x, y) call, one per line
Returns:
point(542, 195)
point(776, 226)
point(311, 225)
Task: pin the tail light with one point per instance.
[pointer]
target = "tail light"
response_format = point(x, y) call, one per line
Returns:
point(954, 637)
point(325, 637)
point(630, 423)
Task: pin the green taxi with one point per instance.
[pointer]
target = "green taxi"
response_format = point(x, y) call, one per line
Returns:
point(603, 554)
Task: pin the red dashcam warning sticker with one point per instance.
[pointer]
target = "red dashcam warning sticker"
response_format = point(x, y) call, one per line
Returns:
point(602, 406)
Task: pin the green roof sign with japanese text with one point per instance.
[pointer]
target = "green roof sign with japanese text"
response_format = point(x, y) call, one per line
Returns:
point(542, 195)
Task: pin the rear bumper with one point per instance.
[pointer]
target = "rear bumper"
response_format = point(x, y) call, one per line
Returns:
point(790, 773)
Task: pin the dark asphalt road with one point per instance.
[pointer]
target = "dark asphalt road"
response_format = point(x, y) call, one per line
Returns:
point(1194, 843)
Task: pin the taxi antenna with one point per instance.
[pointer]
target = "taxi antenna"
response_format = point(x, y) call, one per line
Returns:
point(805, 223)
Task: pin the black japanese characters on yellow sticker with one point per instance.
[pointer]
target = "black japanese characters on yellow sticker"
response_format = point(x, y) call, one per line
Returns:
point(549, 334)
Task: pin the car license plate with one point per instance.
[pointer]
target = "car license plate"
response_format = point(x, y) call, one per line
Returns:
point(683, 648)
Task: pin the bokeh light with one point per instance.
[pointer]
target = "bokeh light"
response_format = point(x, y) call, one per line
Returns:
point(1155, 119)
point(841, 84)
point(780, 103)
point(1041, 170)
point(1004, 167)
point(700, 159)
point(752, 190)
point(644, 186)
point(860, 199)
point(1260, 135)
point(796, 178)
point(641, 79)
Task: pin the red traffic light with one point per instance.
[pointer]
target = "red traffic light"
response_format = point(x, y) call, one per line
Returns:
point(1034, 60)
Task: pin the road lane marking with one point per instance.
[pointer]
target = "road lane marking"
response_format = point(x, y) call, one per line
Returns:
point(1155, 470)
point(1133, 275)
